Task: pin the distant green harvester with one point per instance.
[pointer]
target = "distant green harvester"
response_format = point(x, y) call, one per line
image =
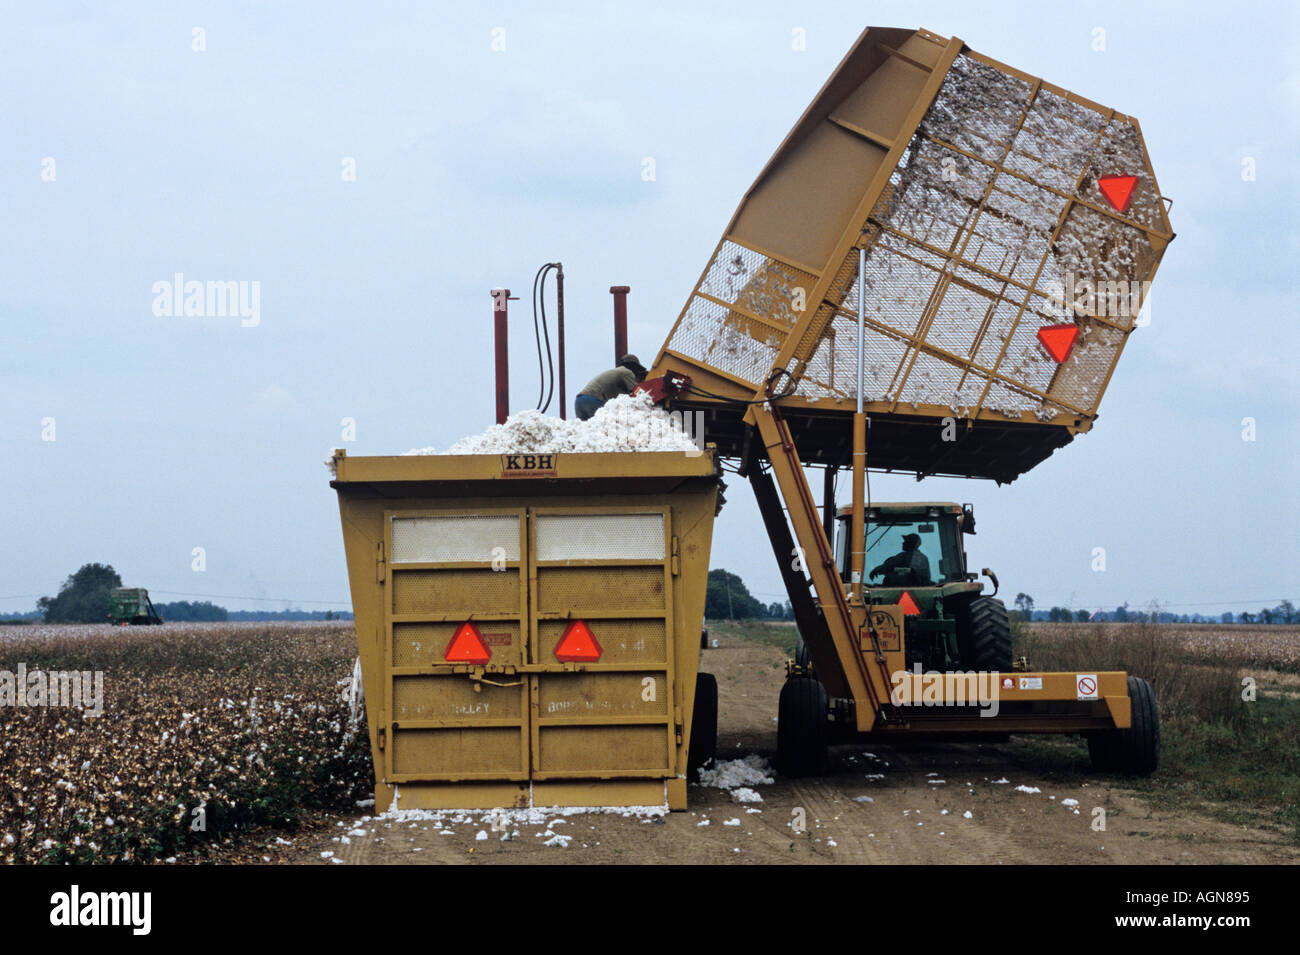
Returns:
point(131, 605)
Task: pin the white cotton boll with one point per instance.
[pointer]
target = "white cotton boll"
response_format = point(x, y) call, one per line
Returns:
point(625, 423)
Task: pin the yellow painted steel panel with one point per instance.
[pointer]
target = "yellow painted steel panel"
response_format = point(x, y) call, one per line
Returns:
point(577, 590)
point(464, 753)
point(594, 696)
point(452, 697)
point(578, 750)
point(425, 644)
point(638, 641)
point(456, 591)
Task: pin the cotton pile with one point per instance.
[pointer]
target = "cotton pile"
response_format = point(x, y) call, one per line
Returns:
point(625, 423)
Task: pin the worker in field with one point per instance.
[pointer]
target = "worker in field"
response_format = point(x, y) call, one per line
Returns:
point(896, 569)
point(619, 380)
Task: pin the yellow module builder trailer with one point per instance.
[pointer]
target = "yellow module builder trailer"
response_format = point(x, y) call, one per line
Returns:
point(530, 625)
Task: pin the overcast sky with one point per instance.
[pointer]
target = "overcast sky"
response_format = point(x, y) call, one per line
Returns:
point(129, 156)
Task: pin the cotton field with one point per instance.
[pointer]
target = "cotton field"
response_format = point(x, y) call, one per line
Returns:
point(206, 730)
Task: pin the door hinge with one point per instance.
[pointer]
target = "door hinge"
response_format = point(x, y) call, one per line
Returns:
point(380, 567)
point(676, 558)
point(383, 736)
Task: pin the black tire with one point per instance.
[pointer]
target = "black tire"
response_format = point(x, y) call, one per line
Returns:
point(1101, 750)
point(704, 724)
point(1139, 746)
point(1134, 751)
point(990, 636)
point(802, 728)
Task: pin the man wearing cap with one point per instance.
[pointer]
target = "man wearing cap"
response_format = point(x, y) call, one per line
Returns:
point(911, 559)
point(620, 380)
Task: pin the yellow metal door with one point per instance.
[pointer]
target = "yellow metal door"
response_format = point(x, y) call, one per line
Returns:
point(612, 569)
point(456, 721)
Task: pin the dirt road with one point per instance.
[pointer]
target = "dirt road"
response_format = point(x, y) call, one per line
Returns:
point(922, 803)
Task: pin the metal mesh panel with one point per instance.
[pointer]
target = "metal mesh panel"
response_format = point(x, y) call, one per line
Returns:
point(1119, 152)
point(935, 194)
point(752, 281)
point(1100, 262)
point(600, 537)
point(977, 108)
point(1054, 141)
point(716, 336)
point(455, 538)
point(1082, 375)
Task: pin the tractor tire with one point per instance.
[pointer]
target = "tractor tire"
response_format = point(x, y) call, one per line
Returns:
point(1134, 751)
point(704, 724)
point(802, 728)
point(990, 636)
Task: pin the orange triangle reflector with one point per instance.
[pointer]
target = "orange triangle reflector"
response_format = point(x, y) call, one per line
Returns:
point(578, 645)
point(1058, 340)
point(467, 646)
point(908, 604)
point(1118, 190)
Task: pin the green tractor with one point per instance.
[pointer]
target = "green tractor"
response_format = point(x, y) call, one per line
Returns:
point(915, 555)
point(131, 605)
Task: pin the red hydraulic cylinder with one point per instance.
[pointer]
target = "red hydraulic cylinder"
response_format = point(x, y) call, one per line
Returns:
point(500, 306)
point(620, 319)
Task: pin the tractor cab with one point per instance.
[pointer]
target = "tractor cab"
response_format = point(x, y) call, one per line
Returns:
point(939, 529)
point(949, 624)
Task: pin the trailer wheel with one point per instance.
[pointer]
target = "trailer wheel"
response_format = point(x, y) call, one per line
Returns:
point(802, 729)
point(990, 635)
point(704, 724)
point(1134, 751)
point(1101, 750)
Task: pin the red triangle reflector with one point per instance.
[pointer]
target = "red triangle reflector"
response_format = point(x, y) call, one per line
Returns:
point(908, 604)
point(1118, 190)
point(1058, 340)
point(578, 645)
point(467, 646)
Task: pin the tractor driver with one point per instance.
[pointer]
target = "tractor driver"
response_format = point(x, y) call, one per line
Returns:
point(897, 568)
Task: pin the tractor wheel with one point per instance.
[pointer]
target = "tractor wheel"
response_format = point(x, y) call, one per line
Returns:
point(990, 636)
point(802, 728)
point(1136, 750)
point(704, 723)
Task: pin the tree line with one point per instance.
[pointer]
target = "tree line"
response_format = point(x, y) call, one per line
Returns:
point(83, 598)
point(1284, 613)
